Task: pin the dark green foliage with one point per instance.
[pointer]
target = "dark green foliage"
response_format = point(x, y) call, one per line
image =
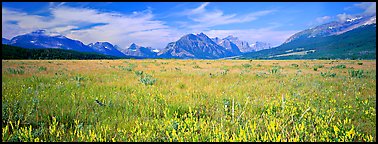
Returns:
point(196, 66)
point(274, 70)
point(16, 71)
point(225, 72)
point(341, 66)
point(139, 73)
point(246, 65)
point(356, 73)
point(360, 63)
point(294, 65)
point(147, 79)
point(12, 52)
point(318, 66)
point(130, 67)
point(328, 74)
point(42, 68)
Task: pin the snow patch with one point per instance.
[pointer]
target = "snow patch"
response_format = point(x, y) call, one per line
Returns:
point(371, 21)
point(353, 19)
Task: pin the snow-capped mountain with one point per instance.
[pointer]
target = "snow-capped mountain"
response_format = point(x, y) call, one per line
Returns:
point(43, 39)
point(216, 40)
point(257, 46)
point(139, 51)
point(106, 48)
point(242, 45)
point(194, 46)
point(230, 46)
point(334, 28)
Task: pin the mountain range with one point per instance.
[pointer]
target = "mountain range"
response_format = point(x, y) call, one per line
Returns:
point(353, 38)
point(140, 51)
point(106, 48)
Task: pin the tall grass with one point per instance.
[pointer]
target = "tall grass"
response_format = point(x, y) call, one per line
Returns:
point(147, 104)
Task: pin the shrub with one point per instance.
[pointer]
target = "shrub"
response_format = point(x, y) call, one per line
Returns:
point(294, 65)
point(342, 66)
point(196, 66)
point(225, 72)
point(317, 66)
point(130, 67)
point(139, 73)
point(359, 63)
point(16, 71)
point(181, 86)
point(147, 79)
point(356, 73)
point(274, 70)
point(246, 65)
point(42, 68)
point(78, 78)
point(328, 74)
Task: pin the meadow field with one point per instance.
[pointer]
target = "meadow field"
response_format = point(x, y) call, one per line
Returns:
point(189, 100)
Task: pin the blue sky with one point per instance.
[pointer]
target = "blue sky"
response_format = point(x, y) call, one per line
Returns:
point(155, 24)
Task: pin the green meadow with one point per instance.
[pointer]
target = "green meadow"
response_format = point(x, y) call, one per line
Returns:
point(189, 100)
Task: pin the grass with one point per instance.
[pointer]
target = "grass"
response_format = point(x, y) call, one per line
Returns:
point(222, 100)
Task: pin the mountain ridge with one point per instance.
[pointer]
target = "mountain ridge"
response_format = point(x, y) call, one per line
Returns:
point(194, 46)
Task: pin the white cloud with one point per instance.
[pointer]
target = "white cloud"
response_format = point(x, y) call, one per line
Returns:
point(343, 17)
point(369, 7)
point(205, 19)
point(323, 19)
point(200, 9)
point(120, 29)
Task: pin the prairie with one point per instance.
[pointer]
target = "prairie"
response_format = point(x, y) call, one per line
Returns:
point(189, 100)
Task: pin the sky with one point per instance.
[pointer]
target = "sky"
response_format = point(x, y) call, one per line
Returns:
point(155, 24)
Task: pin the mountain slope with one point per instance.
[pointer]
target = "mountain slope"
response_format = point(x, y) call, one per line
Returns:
point(334, 28)
point(42, 39)
point(106, 48)
point(230, 46)
point(5, 41)
point(242, 45)
point(359, 43)
point(194, 46)
point(135, 50)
